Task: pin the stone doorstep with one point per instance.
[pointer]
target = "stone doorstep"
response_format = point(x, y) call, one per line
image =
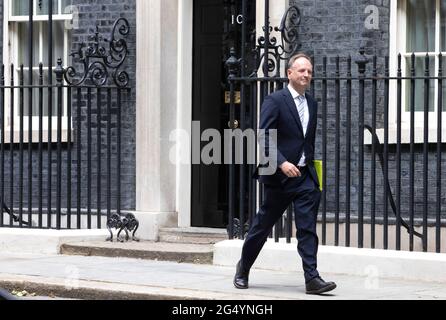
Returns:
point(176, 252)
point(192, 235)
point(182, 245)
point(92, 243)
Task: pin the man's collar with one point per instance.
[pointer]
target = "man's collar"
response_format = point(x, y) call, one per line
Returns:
point(293, 92)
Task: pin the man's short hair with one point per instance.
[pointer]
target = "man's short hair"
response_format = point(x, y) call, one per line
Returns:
point(298, 56)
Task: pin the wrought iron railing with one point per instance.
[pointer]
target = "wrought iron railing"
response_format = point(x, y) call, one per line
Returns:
point(61, 146)
point(382, 183)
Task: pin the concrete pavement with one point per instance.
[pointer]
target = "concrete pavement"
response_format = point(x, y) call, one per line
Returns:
point(94, 277)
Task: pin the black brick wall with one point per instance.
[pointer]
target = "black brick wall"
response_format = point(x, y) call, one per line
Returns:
point(105, 13)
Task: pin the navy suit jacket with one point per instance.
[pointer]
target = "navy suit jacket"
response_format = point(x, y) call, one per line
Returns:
point(279, 112)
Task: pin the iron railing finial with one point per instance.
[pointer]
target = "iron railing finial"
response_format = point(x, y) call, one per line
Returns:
point(59, 71)
point(233, 64)
point(362, 61)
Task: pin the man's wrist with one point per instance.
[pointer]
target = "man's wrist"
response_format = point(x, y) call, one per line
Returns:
point(282, 164)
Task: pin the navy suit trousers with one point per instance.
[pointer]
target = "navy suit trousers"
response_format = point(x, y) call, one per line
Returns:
point(305, 195)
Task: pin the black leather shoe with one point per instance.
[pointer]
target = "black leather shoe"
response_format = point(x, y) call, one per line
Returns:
point(241, 277)
point(319, 286)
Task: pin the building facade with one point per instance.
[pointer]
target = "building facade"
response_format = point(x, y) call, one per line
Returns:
point(176, 63)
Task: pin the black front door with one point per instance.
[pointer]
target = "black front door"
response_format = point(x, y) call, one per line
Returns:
point(217, 25)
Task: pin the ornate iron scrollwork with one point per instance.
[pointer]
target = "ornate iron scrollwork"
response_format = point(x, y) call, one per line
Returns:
point(269, 51)
point(289, 29)
point(14, 217)
point(236, 231)
point(127, 223)
point(106, 63)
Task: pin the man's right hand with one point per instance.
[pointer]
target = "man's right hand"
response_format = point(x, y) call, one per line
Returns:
point(290, 170)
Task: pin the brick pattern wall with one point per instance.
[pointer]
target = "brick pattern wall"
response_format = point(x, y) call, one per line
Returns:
point(104, 13)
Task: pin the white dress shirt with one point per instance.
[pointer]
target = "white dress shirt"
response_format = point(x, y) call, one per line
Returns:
point(306, 116)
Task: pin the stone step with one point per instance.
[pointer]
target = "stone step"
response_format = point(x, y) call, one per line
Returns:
point(192, 235)
point(161, 251)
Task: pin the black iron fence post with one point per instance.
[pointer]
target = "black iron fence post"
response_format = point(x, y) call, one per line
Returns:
point(50, 114)
point(21, 142)
point(59, 79)
point(242, 172)
point(337, 149)
point(40, 147)
point(348, 152)
point(79, 156)
point(374, 146)
point(439, 154)
point(30, 107)
point(398, 154)
point(426, 151)
point(412, 153)
point(233, 66)
point(324, 150)
point(386, 175)
point(362, 65)
point(11, 147)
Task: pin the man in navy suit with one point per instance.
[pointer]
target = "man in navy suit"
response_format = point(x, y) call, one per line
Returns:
point(293, 115)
